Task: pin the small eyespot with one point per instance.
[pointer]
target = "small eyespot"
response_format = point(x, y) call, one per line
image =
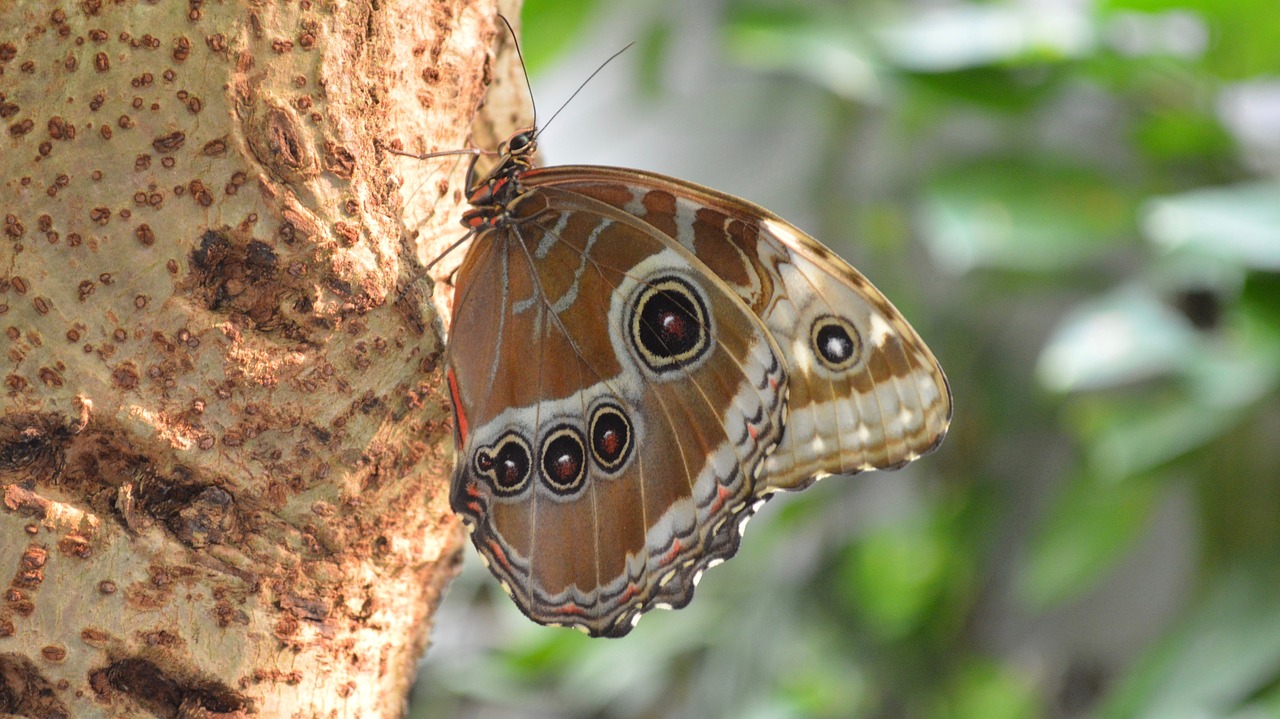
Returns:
point(564, 460)
point(610, 437)
point(835, 342)
point(670, 326)
point(506, 464)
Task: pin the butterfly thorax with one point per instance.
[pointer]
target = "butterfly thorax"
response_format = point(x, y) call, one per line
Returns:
point(492, 196)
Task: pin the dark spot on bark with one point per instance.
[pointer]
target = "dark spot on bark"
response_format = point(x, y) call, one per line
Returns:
point(163, 694)
point(242, 279)
point(33, 442)
point(197, 514)
point(25, 692)
point(170, 142)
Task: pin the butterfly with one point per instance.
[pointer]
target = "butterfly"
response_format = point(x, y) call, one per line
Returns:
point(636, 363)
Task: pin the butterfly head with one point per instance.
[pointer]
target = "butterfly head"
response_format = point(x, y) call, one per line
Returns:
point(520, 147)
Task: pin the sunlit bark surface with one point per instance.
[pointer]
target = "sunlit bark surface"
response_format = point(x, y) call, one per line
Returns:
point(223, 448)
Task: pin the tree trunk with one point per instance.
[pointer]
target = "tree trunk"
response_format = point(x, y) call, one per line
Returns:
point(223, 446)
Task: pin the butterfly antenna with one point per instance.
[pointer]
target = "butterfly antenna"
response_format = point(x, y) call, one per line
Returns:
point(580, 87)
point(520, 54)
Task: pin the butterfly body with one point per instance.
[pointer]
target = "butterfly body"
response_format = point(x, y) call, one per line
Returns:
point(637, 362)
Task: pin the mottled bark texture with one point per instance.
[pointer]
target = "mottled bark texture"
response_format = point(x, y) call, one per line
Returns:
point(223, 448)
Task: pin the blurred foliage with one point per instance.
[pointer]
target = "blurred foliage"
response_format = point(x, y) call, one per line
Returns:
point(1081, 213)
point(550, 28)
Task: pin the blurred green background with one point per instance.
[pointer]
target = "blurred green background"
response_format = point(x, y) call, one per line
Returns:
point(1076, 204)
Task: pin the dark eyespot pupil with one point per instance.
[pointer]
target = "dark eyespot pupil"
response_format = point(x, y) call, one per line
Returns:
point(609, 442)
point(510, 472)
point(669, 324)
point(610, 437)
point(673, 327)
point(562, 462)
point(566, 466)
point(835, 344)
point(514, 464)
point(485, 461)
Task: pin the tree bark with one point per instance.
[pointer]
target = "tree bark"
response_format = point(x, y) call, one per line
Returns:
point(223, 446)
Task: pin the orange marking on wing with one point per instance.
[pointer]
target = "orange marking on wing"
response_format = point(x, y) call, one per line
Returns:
point(722, 494)
point(570, 609)
point(498, 554)
point(670, 556)
point(459, 416)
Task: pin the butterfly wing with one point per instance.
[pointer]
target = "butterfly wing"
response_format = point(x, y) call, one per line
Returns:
point(612, 411)
point(865, 391)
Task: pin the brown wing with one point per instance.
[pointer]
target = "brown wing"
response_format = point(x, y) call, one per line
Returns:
point(614, 404)
point(865, 391)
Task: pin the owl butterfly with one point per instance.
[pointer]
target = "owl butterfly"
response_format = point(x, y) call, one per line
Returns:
point(637, 363)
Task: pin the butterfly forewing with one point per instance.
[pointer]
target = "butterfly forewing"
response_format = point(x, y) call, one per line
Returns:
point(865, 391)
point(614, 403)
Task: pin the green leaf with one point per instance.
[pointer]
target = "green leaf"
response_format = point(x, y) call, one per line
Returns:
point(1124, 336)
point(548, 27)
point(1149, 433)
point(1224, 657)
point(653, 49)
point(1011, 215)
point(826, 49)
point(1243, 34)
point(965, 36)
point(986, 690)
point(1015, 91)
point(1260, 312)
point(823, 684)
point(1182, 134)
point(1130, 335)
point(1091, 524)
point(1135, 433)
point(899, 573)
point(1239, 224)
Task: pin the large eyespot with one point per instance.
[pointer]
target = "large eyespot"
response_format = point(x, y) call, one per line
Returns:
point(835, 342)
point(670, 326)
point(506, 463)
point(564, 460)
point(610, 437)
